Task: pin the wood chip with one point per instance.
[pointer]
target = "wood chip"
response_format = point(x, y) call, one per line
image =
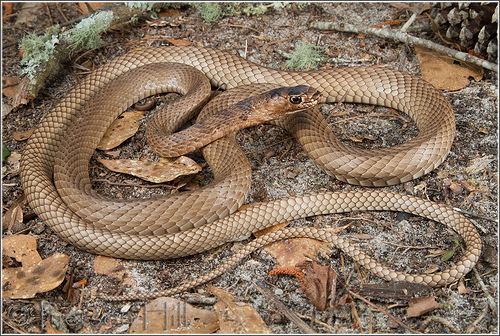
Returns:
point(157, 172)
point(167, 315)
point(179, 42)
point(125, 126)
point(236, 317)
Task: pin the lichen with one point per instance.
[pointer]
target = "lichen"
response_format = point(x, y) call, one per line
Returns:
point(37, 50)
point(86, 35)
point(305, 57)
point(210, 11)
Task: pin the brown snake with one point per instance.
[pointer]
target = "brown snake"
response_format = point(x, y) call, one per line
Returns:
point(58, 153)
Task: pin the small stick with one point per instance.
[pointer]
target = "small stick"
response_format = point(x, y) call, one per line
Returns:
point(405, 38)
point(470, 214)
point(304, 328)
point(409, 22)
point(61, 12)
point(441, 320)
point(50, 14)
point(383, 311)
point(489, 298)
point(472, 327)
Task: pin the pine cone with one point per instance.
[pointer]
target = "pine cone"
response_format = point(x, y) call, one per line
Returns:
point(472, 25)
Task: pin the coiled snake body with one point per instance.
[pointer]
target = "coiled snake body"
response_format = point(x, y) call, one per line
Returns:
point(55, 162)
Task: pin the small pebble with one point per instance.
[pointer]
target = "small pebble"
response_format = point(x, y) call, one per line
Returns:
point(125, 308)
point(278, 291)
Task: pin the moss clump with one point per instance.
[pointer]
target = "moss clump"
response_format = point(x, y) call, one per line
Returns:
point(305, 57)
point(86, 35)
point(37, 50)
point(140, 5)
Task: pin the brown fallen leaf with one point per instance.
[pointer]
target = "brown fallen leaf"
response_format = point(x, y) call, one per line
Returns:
point(88, 7)
point(22, 248)
point(22, 135)
point(442, 72)
point(14, 163)
point(169, 12)
point(125, 126)
point(236, 317)
point(12, 219)
point(9, 86)
point(7, 8)
point(422, 305)
point(26, 282)
point(178, 42)
point(157, 172)
point(320, 283)
point(291, 252)
point(167, 315)
point(114, 268)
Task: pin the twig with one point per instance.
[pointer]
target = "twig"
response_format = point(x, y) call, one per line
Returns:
point(16, 329)
point(441, 320)
point(472, 327)
point(489, 298)
point(383, 311)
point(47, 8)
point(61, 12)
point(409, 22)
point(470, 214)
point(304, 328)
point(405, 38)
point(318, 322)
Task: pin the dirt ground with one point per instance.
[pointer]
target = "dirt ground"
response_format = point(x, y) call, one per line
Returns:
point(281, 169)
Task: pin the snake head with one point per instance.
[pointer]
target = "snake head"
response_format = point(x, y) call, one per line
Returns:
point(277, 102)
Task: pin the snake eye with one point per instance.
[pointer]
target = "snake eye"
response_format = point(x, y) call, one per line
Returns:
point(295, 99)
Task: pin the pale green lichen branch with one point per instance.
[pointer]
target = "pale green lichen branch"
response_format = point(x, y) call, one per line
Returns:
point(86, 35)
point(305, 57)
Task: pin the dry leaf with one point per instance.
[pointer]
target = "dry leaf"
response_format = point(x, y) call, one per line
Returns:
point(7, 8)
point(22, 135)
point(157, 172)
point(461, 287)
point(26, 282)
point(443, 73)
point(478, 165)
point(112, 267)
point(179, 42)
point(13, 217)
point(88, 7)
point(236, 317)
point(320, 282)
point(422, 305)
point(169, 12)
point(125, 126)
point(167, 315)
point(22, 248)
point(291, 252)
point(9, 86)
point(14, 163)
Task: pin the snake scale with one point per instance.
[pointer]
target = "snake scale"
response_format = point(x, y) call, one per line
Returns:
point(55, 162)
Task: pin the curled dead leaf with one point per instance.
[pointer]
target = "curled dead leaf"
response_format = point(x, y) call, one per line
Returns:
point(236, 317)
point(422, 305)
point(169, 315)
point(320, 283)
point(13, 217)
point(443, 72)
point(112, 267)
point(26, 282)
point(125, 126)
point(157, 172)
